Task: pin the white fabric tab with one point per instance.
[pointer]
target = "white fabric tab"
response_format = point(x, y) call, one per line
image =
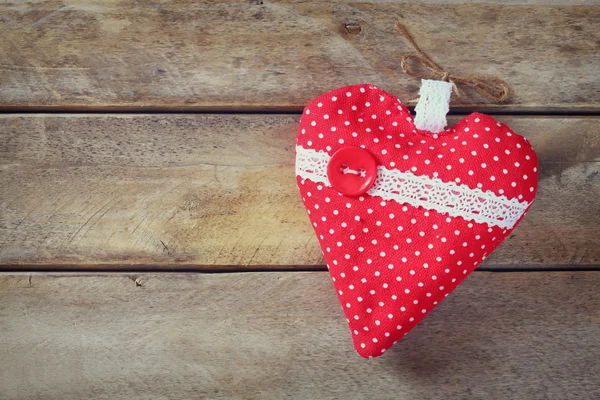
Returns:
point(456, 200)
point(433, 105)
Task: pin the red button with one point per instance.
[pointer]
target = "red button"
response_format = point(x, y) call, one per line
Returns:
point(352, 171)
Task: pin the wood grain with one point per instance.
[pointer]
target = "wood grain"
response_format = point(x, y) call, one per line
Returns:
point(218, 191)
point(283, 335)
point(255, 55)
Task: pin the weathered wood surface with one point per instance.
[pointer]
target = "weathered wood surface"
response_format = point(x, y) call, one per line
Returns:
point(243, 55)
point(283, 335)
point(209, 191)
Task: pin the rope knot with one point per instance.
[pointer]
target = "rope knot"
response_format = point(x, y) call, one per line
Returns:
point(491, 87)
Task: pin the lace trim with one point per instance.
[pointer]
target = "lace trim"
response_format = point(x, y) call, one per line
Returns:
point(312, 164)
point(422, 191)
point(433, 105)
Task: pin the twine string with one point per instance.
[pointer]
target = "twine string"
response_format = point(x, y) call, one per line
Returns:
point(491, 87)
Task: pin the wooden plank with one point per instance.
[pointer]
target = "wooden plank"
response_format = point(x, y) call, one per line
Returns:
point(241, 55)
point(210, 191)
point(283, 335)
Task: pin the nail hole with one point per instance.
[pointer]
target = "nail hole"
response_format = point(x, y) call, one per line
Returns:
point(353, 28)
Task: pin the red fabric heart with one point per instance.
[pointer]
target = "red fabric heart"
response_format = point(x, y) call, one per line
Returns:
point(440, 205)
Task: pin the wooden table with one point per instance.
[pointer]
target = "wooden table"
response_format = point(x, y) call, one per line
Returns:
point(152, 241)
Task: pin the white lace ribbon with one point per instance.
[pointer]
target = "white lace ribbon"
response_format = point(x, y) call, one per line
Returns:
point(433, 105)
point(422, 191)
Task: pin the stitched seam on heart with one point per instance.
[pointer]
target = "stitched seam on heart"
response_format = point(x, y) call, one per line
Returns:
point(418, 190)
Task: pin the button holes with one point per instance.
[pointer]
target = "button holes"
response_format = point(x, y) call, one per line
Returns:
point(347, 170)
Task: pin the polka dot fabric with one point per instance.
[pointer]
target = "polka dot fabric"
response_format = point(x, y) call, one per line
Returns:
point(391, 263)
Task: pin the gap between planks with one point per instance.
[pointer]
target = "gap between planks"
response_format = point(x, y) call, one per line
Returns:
point(234, 269)
point(292, 110)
